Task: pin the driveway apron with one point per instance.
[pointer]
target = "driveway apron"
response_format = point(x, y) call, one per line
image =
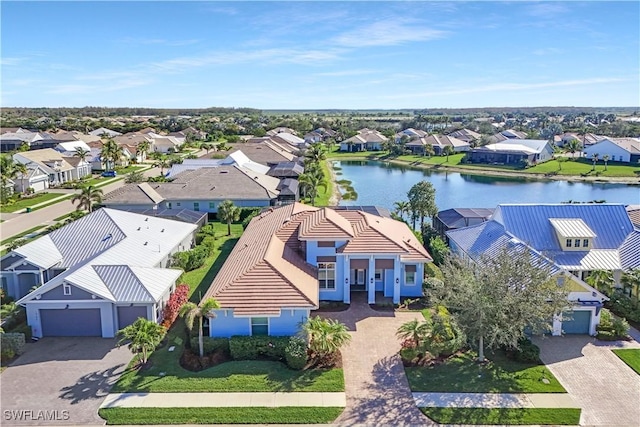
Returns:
point(375, 384)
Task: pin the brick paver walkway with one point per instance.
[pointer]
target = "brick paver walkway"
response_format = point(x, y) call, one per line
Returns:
point(606, 389)
point(377, 389)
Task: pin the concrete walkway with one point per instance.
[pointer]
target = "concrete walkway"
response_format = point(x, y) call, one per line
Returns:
point(377, 389)
point(494, 400)
point(222, 400)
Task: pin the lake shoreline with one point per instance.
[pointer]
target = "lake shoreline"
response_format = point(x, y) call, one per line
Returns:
point(491, 172)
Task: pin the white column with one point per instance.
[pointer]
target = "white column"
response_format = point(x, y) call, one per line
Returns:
point(557, 325)
point(396, 280)
point(371, 280)
point(346, 273)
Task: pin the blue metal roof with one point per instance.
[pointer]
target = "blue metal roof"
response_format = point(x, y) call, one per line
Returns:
point(530, 223)
point(630, 251)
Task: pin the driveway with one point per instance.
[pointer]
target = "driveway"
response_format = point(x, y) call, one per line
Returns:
point(375, 384)
point(606, 389)
point(68, 378)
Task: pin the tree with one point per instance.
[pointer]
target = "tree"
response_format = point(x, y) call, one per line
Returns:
point(144, 336)
point(422, 199)
point(602, 280)
point(163, 163)
point(315, 153)
point(191, 311)
point(447, 151)
point(573, 146)
point(142, 148)
point(413, 331)
point(493, 299)
point(402, 208)
point(594, 159)
point(9, 170)
point(326, 336)
point(134, 177)
point(110, 153)
point(81, 153)
point(631, 281)
point(605, 159)
point(310, 182)
point(87, 197)
point(228, 212)
point(438, 250)
point(560, 161)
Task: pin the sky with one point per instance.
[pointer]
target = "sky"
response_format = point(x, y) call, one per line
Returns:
point(320, 55)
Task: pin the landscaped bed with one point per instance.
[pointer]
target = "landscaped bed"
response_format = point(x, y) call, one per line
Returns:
point(461, 374)
point(630, 356)
point(504, 416)
point(253, 415)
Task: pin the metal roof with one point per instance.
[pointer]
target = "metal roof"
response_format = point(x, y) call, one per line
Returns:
point(463, 217)
point(572, 227)
point(595, 259)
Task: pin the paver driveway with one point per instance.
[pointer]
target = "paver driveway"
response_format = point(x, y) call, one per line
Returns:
point(61, 374)
point(606, 389)
point(377, 390)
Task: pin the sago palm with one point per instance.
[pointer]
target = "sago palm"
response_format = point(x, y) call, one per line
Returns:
point(144, 336)
point(413, 331)
point(326, 336)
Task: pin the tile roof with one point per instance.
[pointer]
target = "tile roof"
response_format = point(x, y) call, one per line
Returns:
point(325, 224)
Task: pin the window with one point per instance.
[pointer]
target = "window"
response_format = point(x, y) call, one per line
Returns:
point(560, 280)
point(326, 244)
point(177, 203)
point(378, 274)
point(212, 205)
point(569, 243)
point(66, 289)
point(585, 243)
point(410, 275)
point(577, 243)
point(196, 206)
point(259, 326)
point(327, 275)
point(169, 205)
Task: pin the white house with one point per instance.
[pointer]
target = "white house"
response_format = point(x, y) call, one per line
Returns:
point(618, 149)
point(59, 168)
point(36, 178)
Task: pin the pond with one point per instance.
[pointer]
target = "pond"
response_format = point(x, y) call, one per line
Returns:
point(382, 184)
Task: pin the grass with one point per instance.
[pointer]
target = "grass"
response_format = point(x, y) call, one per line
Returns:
point(461, 374)
point(253, 415)
point(235, 376)
point(28, 202)
point(631, 357)
point(584, 167)
point(325, 192)
point(504, 416)
point(9, 240)
point(53, 203)
point(126, 170)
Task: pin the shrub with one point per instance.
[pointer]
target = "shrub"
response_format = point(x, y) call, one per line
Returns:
point(12, 342)
point(247, 219)
point(444, 337)
point(624, 306)
point(432, 270)
point(177, 299)
point(249, 212)
point(211, 345)
point(526, 352)
point(611, 328)
point(192, 259)
point(295, 353)
point(258, 347)
point(438, 250)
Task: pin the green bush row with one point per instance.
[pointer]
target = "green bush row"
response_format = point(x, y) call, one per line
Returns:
point(293, 350)
point(525, 352)
point(611, 328)
point(12, 344)
point(625, 306)
point(211, 344)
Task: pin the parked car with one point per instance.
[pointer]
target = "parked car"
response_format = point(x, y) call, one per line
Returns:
point(109, 174)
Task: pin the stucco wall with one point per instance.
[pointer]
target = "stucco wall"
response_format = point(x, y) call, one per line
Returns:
point(226, 325)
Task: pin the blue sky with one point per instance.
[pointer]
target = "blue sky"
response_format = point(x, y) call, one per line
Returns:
point(306, 55)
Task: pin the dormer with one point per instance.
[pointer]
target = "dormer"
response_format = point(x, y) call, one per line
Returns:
point(573, 234)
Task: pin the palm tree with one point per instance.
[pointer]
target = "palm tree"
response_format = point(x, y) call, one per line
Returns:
point(87, 197)
point(10, 169)
point(605, 159)
point(191, 312)
point(111, 153)
point(326, 336)
point(310, 182)
point(162, 162)
point(134, 177)
point(402, 207)
point(81, 153)
point(631, 281)
point(447, 151)
point(602, 280)
point(228, 212)
point(142, 148)
point(413, 331)
point(316, 153)
point(573, 146)
point(594, 159)
point(145, 335)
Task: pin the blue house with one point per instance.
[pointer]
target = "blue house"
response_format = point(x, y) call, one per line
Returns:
point(575, 239)
point(292, 257)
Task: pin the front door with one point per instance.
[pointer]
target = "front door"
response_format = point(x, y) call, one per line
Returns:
point(359, 279)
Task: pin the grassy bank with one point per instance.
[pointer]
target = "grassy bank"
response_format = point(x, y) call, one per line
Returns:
point(253, 415)
point(504, 416)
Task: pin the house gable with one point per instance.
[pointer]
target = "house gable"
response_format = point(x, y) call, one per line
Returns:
point(72, 293)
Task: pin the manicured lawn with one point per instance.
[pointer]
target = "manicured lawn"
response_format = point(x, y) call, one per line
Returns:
point(324, 193)
point(53, 203)
point(24, 203)
point(462, 374)
point(504, 416)
point(235, 376)
point(631, 357)
point(18, 236)
point(254, 415)
point(584, 167)
point(124, 171)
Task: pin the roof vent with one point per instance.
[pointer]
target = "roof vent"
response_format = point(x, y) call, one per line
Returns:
point(139, 228)
point(146, 219)
point(107, 237)
point(146, 243)
point(162, 231)
point(224, 171)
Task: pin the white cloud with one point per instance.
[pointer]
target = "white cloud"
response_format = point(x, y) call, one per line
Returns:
point(387, 33)
point(11, 61)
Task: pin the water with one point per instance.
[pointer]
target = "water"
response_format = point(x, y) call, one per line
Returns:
point(382, 184)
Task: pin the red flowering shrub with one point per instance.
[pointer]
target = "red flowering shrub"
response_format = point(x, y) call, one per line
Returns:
point(177, 299)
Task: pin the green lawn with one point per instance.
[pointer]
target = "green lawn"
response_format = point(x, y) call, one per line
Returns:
point(253, 415)
point(126, 170)
point(325, 193)
point(463, 375)
point(631, 357)
point(19, 235)
point(504, 416)
point(584, 167)
point(28, 202)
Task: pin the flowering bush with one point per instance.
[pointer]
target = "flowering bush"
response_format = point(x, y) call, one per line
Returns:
point(177, 299)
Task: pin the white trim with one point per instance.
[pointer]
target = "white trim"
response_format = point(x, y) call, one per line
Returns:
point(66, 289)
point(259, 317)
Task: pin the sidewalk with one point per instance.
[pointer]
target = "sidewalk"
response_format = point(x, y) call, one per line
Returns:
point(221, 400)
point(494, 400)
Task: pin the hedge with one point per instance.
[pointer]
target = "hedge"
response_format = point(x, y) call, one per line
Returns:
point(177, 299)
point(12, 344)
point(258, 347)
point(211, 344)
point(295, 353)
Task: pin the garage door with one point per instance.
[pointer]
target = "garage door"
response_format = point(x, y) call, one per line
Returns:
point(128, 315)
point(578, 322)
point(82, 322)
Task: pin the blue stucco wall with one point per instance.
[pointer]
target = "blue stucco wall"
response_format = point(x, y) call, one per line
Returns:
point(412, 290)
point(286, 324)
point(338, 293)
point(388, 283)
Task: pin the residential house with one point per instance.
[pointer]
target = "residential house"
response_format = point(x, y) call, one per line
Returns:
point(97, 274)
point(12, 141)
point(281, 129)
point(584, 139)
point(618, 149)
point(286, 170)
point(59, 168)
point(291, 258)
point(452, 219)
point(513, 151)
point(36, 179)
point(466, 135)
point(319, 135)
point(105, 132)
point(439, 142)
point(574, 239)
point(267, 152)
point(410, 134)
point(365, 140)
point(506, 135)
point(634, 214)
point(288, 138)
point(69, 149)
point(202, 190)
